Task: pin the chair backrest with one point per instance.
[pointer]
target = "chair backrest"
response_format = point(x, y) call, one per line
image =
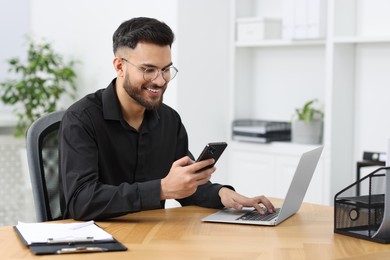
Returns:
point(42, 155)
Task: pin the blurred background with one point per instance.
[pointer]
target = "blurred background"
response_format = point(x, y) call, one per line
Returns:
point(223, 77)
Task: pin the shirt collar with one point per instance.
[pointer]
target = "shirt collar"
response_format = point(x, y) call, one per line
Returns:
point(111, 107)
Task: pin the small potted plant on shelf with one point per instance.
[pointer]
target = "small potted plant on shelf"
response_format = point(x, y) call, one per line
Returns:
point(307, 126)
point(37, 84)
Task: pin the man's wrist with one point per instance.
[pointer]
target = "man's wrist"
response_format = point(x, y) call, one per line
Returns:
point(164, 194)
point(222, 191)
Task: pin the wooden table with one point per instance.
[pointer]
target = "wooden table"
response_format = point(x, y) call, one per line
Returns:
point(178, 233)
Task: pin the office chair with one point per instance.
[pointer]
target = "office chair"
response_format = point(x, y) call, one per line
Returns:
point(42, 156)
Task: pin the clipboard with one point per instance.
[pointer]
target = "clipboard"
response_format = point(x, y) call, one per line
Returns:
point(87, 245)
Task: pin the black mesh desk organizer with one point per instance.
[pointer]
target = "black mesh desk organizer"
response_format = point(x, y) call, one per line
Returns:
point(364, 215)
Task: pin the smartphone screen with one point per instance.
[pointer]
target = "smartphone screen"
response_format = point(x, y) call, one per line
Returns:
point(211, 150)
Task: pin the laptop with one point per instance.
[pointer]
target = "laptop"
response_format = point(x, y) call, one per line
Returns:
point(293, 201)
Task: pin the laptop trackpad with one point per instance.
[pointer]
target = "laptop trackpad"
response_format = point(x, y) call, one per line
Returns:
point(227, 214)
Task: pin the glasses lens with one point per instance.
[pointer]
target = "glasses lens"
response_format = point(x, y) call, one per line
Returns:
point(169, 73)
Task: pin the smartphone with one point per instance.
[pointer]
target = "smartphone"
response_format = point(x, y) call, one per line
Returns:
point(211, 150)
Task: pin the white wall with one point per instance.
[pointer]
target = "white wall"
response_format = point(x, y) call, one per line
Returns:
point(203, 86)
point(372, 86)
point(372, 105)
point(203, 56)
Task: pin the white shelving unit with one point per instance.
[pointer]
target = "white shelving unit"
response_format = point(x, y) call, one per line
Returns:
point(347, 71)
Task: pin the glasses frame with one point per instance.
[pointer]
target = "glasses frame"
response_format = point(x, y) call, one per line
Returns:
point(159, 71)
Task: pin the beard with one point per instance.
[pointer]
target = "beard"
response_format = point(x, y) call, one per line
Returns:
point(136, 94)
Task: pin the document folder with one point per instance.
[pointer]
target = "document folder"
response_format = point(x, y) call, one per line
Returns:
point(66, 238)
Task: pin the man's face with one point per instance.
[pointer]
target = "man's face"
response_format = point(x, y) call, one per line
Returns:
point(148, 94)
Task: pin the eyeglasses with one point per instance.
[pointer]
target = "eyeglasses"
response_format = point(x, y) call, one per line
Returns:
point(151, 74)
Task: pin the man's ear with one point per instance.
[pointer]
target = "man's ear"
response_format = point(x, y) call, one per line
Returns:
point(118, 66)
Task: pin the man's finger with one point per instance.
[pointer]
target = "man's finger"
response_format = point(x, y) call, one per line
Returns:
point(184, 161)
point(197, 166)
point(258, 208)
point(267, 203)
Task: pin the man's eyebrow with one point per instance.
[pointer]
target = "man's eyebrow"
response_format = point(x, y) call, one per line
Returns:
point(154, 66)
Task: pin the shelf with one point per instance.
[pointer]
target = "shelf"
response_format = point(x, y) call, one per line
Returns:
point(280, 43)
point(291, 43)
point(359, 39)
point(273, 147)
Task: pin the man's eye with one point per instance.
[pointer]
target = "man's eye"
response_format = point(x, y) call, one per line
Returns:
point(150, 71)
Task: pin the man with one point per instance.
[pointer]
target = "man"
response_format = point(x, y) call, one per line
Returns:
point(122, 150)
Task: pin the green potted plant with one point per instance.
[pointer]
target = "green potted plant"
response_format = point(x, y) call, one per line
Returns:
point(37, 84)
point(307, 125)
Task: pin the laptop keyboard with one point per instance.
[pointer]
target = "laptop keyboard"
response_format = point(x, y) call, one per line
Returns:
point(255, 216)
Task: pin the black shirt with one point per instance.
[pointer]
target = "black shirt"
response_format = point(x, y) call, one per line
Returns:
point(108, 169)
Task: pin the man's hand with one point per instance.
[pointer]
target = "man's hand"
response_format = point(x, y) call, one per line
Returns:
point(182, 179)
point(232, 199)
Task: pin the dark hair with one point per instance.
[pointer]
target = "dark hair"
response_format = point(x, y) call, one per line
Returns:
point(142, 29)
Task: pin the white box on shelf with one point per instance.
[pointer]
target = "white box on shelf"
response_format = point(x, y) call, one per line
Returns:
point(258, 29)
point(288, 19)
point(316, 17)
point(304, 19)
point(300, 19)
